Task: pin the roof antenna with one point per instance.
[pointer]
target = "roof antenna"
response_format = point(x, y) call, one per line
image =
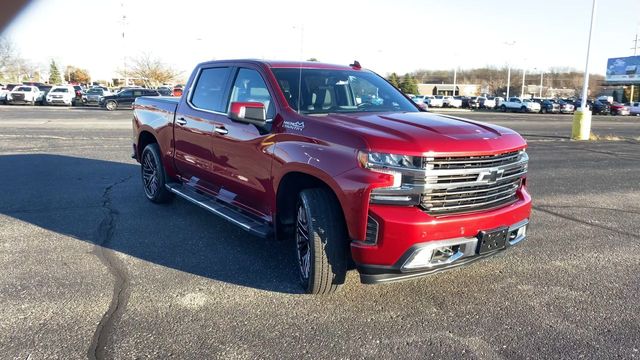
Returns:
point(356, 64)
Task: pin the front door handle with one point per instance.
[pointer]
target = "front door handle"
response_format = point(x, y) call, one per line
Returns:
point(221, 130)
point(181, 121)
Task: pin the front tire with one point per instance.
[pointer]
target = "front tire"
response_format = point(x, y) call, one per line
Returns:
point(111, 105)
point(154, 177)
point(503, 108)
point(321, 241)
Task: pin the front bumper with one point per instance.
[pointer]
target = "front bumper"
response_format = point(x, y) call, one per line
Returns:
point(52, 101)
point(403, 231)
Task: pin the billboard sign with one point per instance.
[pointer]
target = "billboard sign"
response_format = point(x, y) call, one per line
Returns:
point(624, 70)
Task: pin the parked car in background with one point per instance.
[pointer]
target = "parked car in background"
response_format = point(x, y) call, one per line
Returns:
point(605, 99)
point(450, 101)
point(165, 91)
point(499, 100)
point(566, 106)
point(597, 107)
point(634, 108)
point(619, 109)
point(522, 105)
point(474, 102)
point(419, 100)
point(464, 101)
point(93, 95)
point(435, 101)
point(79, 90)
point(44, 89)
point(177, 90)
point(24, 94)
point(487, 102)
point(549, 106)
point(600, 107)
point(3, 95)
point(62, 95)
point(125, 98)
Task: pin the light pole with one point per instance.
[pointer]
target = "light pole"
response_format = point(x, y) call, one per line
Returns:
point(509, 43)
point(524, 74)
point(455, 74)
point(581, 129)
point(541, 75)
point(635, 52)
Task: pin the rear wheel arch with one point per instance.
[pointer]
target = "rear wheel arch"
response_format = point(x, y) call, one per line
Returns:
point(145, 138)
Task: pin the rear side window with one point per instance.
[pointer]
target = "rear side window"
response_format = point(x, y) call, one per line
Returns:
point(209, 90)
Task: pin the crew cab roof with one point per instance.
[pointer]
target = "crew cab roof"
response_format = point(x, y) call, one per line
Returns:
point(283, 64)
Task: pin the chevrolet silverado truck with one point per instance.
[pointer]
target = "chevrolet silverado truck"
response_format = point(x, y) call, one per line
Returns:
point(339, 163)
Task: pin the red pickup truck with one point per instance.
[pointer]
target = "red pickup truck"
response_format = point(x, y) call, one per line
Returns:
point(340, 163)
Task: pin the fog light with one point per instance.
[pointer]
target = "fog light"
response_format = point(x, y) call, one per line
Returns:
point(441, 253)
point(517, 235)
point(419, 259)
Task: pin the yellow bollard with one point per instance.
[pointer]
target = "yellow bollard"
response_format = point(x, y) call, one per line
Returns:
point(581, 128)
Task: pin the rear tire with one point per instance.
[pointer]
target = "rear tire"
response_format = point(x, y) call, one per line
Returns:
point(154, 178)
point(111, 105)
point(321, 241)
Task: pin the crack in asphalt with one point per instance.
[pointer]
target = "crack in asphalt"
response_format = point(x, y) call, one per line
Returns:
point(121, 285)
point(592, 208)
point(574, 219)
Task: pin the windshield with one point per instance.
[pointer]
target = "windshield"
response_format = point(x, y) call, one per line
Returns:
point(22, 88)
point(62, 90)
point(339, 91)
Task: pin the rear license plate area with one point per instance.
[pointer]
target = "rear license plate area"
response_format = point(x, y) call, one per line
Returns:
point(492, 240)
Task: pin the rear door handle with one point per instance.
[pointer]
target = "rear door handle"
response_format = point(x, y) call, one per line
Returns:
point(221, 130)
point(181, 121)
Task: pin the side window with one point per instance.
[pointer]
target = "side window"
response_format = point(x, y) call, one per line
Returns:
point(210, 88)
point(137, 93)
point(126, 93)
point(249, 87)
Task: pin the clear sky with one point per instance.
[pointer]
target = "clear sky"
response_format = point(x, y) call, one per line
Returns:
point(385, 36)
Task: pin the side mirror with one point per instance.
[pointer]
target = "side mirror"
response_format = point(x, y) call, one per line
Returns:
point(248, 112)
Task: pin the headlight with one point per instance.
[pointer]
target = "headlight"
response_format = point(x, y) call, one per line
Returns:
point(400, 191)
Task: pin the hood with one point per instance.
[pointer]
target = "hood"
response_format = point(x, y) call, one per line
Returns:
point(420, 133)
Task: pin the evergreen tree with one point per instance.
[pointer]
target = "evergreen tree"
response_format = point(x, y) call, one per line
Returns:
point(394, 80)
point(409, 85)
point(54, 73)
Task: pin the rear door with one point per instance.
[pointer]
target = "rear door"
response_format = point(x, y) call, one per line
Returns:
point(200, 112)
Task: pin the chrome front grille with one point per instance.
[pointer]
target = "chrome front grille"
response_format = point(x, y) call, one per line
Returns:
point(471, 162)
point(472, 183)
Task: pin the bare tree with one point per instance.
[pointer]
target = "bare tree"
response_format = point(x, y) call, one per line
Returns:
point(151, 70)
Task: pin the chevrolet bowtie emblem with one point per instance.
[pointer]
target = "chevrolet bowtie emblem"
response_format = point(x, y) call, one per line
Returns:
point(491, 176)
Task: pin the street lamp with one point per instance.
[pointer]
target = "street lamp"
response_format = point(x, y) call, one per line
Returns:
point(581, 129)
point(509, 43)
point(524, 74)
point(541, 75)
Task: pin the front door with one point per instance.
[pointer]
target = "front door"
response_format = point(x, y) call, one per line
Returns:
point(242, 153)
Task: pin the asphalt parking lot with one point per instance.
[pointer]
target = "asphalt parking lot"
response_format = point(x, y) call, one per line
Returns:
point(90, 268)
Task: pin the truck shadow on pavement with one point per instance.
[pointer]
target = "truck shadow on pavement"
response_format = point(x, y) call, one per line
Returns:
point(67, 195)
